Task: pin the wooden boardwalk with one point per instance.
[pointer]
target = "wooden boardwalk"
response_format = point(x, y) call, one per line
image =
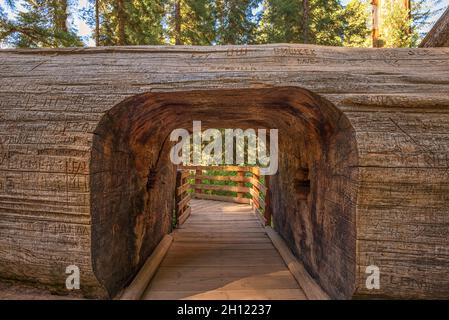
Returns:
point(222, 252)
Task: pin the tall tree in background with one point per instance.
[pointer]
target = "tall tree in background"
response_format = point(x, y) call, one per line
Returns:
point(356, 32)
point(5, 23)
point(396, 26)
point(113, 19)
point(126, 22)
point(60, 15)
point(236, 21)
point(326, 24)
point(191, 22)
point(282, 21)
point(177, 22)
point(401, 20)
point(122, 20)
point(43, 23)
point(422, 12)
point(306, 20)
point(97, 22)
point(145, 19)
point(302, 21)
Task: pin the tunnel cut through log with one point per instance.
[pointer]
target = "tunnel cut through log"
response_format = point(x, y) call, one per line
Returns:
point(313, 194)
point(52, 101)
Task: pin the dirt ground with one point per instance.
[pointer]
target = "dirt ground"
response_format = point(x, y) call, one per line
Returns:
point(18, 291)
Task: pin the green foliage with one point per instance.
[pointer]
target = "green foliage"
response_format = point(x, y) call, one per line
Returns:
point(198, 22)
point(400, 28)
point(281, 22)
point(327, 22)
point(299, 21)
point(195, 21)
point(423, 11)
point(236, 21)
point(396, 29)
point(224, 183)
point(190, 22)
point(144, 22)
point(43, 23)
point(133, 22)
point(356, 31)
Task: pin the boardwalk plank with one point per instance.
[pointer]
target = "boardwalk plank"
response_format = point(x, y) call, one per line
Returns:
point(255, 294)
point(222, 252)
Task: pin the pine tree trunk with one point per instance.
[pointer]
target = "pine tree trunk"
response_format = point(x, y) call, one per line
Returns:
point(220, 11)
point(97, 23)
point(232, 23)
point(178, 17)
point(305, 26)
point(121, 16)
point(60, 15)
point(408, 7)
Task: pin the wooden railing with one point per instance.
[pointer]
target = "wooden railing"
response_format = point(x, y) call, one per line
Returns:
point(182, 197)
point(240, 184)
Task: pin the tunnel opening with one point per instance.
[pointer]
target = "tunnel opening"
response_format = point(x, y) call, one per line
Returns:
point(312, 196)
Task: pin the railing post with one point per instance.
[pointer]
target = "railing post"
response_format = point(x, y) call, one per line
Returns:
point(267, 213)
point(198, 181)
point(182, 197)
point(241, 175)
point(178, 197)
point(256, 191)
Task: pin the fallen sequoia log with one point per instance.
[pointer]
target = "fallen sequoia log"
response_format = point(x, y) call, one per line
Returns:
point(438, 36)
point(85, 176)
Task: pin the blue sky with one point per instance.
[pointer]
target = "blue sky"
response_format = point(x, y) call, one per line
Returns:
point(85, 31)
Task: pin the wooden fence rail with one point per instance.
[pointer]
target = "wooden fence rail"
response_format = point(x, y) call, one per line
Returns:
point(198, 182)
point(182, 197)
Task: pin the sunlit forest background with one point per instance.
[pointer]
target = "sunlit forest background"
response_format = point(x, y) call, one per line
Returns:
point(69, 23)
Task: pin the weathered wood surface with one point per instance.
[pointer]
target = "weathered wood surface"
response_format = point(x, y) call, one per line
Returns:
point(438, 36)
point(85, 177)
point(139, 284)
point(240, 264)
point(182, 197)
point(311, 289)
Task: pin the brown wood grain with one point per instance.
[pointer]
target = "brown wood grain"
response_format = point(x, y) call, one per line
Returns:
point(222, 269)
point(438, 36)
point(85, 176)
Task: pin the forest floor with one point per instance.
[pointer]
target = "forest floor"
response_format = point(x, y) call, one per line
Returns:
point(10, 290)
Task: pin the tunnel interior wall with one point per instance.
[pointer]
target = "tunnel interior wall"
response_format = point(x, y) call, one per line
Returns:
point(314, 201)
point(132, 190)
point(132, 178)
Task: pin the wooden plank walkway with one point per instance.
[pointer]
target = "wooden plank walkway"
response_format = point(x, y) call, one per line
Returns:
point(222, 252)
